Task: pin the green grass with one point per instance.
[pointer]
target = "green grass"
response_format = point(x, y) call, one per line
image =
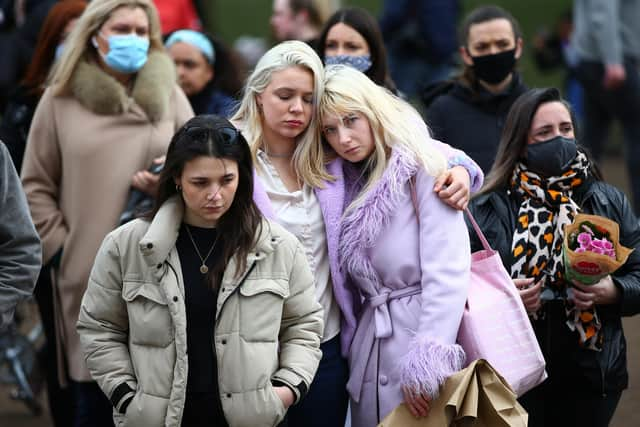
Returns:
point(232, 18)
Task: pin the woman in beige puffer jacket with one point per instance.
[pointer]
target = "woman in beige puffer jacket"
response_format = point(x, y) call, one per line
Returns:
point(266, 322)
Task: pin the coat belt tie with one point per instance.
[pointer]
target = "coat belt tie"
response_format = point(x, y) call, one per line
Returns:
point(376, 310)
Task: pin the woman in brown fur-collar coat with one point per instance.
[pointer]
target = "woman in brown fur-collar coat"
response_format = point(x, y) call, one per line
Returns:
point(112, 107)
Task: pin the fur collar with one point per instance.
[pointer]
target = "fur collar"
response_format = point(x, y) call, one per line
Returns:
point(362, 225)
point(104, 95)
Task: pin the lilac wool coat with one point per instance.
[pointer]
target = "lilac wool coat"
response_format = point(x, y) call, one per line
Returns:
point(410, 277)
point(332, 202)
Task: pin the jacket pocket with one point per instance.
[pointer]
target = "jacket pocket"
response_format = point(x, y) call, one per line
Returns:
point(146, 410)
point(149, 317)
point(280, 410)
point(260, 304)
point(259, 407)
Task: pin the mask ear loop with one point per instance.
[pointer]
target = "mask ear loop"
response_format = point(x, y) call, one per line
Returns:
point(94, 41)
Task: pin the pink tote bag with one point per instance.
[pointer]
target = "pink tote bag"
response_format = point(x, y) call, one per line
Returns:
point(495, 325)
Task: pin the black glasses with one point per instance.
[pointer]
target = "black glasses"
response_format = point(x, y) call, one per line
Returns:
point(226, 135)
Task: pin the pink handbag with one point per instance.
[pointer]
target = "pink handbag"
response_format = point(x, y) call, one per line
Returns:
point(495, 325)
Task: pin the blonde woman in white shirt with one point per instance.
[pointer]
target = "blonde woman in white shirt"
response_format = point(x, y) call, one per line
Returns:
point(278, 117)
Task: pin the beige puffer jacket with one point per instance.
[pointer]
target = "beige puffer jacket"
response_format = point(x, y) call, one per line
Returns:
point(132, 325)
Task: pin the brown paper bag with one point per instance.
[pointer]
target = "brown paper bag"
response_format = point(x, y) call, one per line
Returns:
point(477, 396)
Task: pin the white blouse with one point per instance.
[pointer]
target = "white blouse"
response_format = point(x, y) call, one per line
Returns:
point(300, 213)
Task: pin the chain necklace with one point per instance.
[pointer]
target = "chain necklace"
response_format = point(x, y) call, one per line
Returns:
point(274, 155)
point(279, 156)
point(203, 268)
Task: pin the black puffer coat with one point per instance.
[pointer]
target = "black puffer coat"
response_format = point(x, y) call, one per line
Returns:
point(470, 120)
point(605, 371)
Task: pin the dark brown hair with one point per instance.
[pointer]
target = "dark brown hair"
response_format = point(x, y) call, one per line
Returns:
point(240, 225)
point(516, 133)
point(49, 37)
point(367, 26)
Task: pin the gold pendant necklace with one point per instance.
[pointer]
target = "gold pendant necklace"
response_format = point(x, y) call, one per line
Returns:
point(203, 268)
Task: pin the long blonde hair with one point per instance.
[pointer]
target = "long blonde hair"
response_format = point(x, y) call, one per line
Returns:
point(248, 118)
point(394, 123)
point(78, 45)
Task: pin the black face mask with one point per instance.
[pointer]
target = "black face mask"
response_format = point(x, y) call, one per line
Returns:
point(551, 157)
point(493, 69)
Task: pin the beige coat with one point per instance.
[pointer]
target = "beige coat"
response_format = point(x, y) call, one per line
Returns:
point(133, 324)
point(81, 154)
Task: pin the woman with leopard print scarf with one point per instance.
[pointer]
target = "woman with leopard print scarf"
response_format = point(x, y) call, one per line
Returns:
point(540, 180)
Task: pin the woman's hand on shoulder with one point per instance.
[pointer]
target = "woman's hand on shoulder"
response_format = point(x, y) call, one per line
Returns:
point(285, 394)
point(454, 187)
point(417, 403)
point(601, 293)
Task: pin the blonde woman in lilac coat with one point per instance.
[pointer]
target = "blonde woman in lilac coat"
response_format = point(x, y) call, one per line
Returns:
point(278, 115)
point(406, 263)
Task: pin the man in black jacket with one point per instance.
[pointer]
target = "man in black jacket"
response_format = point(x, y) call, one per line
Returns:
point(469, 113)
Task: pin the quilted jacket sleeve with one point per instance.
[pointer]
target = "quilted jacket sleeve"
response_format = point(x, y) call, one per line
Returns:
point(301, 328)
point(103, 326)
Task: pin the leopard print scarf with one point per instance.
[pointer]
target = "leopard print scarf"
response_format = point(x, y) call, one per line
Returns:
point(547, 207)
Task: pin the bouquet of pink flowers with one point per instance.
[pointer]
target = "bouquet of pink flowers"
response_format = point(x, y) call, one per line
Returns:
point(591, 238)
point(592, 249)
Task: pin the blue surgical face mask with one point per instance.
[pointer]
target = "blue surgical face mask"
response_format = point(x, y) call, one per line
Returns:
point(127, 53)
point(59, 52)
point(360, 62)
